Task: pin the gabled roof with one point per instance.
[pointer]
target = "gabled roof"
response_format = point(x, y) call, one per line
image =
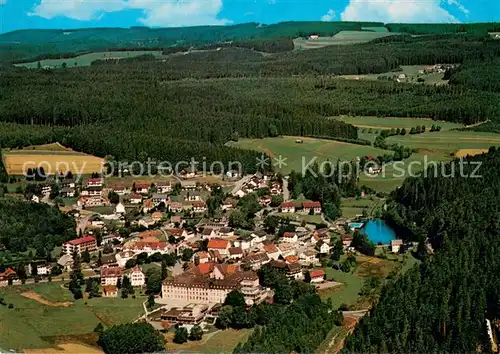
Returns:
point(235, 250)
point(270, 248)
point(135, 196)
point(287, 205)
point(217, 243)
point(311, 204)
point(317, 273)
point(289, 234)
point(81, 240)
point(206, 268)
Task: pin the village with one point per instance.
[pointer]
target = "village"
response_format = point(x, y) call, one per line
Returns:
point(122, 227)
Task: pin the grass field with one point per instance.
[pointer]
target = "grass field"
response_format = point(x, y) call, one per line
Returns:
point(87, 59)
point(32, 325)
point(352, 206)
point(53, 158)
point(341, 38)
point(296, 153)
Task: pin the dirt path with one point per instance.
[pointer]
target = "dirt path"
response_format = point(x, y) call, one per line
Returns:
point(477, 124)
point(70, 348)
point(40, 299)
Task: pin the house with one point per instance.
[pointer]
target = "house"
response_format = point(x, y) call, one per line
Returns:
point(322, 247)
point(87, 243)
point(157, 216)
point(287, 207)
point(43, 269)
point(291, 259)
point(123, 257)
point(202, 257)
point(396, 245)
point(208, 233)
point(93, 191)
point(346, 241)
point(229, 203)
point(141, 188)
point(292, 270)
point(314, 207)
point(120, 209)
point(258, 237)
point(137, 277)
point(308, 257)
point(265, 200)
point(226, 232)
point(65, 262)
point(217, 244)
point(146, 221)
point(135, 199)
point(256, 260)
point(241, 192)
point(7, 276)
point(177, 233)
point(176, 219)
point(95, 182)
point(192, 196)
point(286, 249)
point(109, 291)
point(110, 275)
point(244, 241)
point(67, 192)
point(120, 189)
point(235, 252)
point(199, 207)
point(290, 237)
point(175, 207)
point(222, 271)
point(163, 187)
point(158, 198)
point(314, 36)
point(109, 260)
point(272, 251)
point(317, 276)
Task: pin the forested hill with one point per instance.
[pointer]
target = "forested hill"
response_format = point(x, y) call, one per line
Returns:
point(441, 306)
point(24, 44)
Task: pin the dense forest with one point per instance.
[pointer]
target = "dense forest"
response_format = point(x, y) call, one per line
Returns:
point(379, 56)
point(441, 306)
point(478, 75)
point(443, 28)
point(29, 225)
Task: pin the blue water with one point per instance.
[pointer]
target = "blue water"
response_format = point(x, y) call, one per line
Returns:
point(378, 232)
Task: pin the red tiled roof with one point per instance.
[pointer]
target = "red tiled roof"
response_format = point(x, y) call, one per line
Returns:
point(206, 268)
point(270, 248)
point(291, 259)
point(218, 243)
point(289, 234)
point(317, 273)
point(287, 205)
point(198, 204)
point(311, 205)
point(94, 180)
point(8, 272)
point(203, 255)
point(81, 240)
point(135, 196)
point(147, 234)
point(175, 232)
point(235, 250)
point(141, 186)
point(111, 272)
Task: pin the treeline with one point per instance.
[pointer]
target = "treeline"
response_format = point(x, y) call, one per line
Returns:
point(442, 305)
point(29, 225)
point(443, 28)
point(278, 45)
point(478, 75)
point(377, 57)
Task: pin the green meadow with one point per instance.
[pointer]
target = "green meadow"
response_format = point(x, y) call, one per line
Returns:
point(31, 324)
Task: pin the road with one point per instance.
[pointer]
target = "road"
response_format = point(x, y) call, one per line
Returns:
point(240, 183)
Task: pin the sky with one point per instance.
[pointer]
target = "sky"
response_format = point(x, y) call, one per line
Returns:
point(68, 14)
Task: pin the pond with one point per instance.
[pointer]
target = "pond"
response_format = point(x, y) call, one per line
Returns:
point(378, 232)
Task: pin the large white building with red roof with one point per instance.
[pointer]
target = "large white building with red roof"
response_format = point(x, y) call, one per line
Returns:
point(82, 244)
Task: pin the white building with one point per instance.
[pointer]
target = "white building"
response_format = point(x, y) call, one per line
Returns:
point(396, 245)
point(137, 277)
point(110, 276)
